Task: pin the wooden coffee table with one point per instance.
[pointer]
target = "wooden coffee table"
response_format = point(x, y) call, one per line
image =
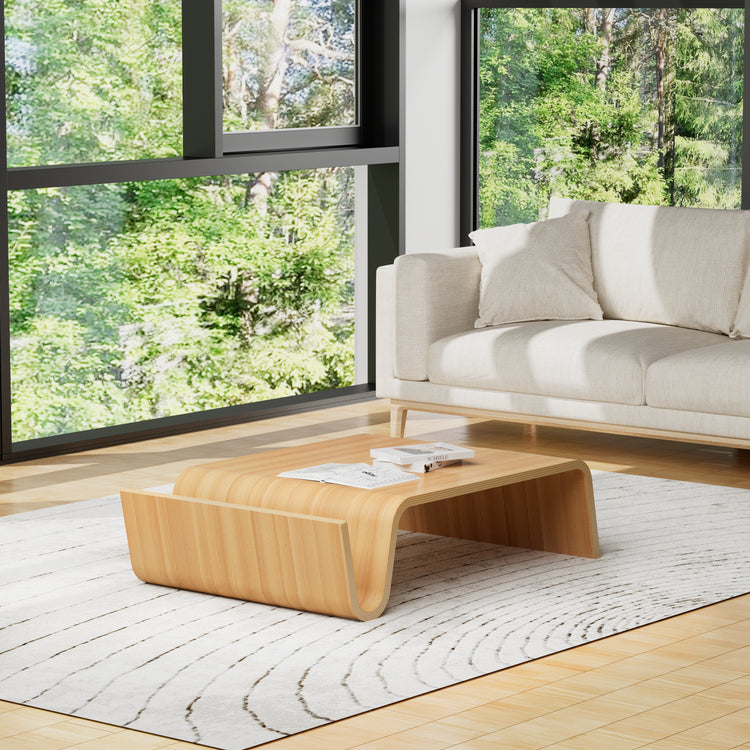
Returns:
point(234, 528)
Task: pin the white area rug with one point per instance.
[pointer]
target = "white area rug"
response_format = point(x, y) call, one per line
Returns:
point(81, 635)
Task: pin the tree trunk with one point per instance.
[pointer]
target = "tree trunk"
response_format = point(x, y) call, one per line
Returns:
point(589, 20)
point(603, 68)
point(276, 61)
point(664, 82)
point(661, 68)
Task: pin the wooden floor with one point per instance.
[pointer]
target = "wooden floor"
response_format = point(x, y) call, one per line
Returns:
point(679, 684)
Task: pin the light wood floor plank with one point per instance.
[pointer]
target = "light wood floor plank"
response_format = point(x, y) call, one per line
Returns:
point(679, 684)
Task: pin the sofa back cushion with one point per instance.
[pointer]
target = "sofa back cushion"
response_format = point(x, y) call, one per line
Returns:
point(666, 264)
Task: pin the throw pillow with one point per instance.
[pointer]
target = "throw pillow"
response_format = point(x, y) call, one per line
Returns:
point(539, 271)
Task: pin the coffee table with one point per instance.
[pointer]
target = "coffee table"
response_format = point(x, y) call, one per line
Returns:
point(234, 528)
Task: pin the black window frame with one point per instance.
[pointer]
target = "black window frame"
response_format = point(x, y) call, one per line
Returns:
point(374, 143)
point(469, 116)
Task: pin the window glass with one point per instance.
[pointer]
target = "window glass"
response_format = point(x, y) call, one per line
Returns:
point(288, 64)
point(92, 80)
point(151, 299)
point(633, 105)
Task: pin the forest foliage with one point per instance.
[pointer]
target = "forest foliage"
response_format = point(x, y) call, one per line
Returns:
point(149, 299)
point(634, 105)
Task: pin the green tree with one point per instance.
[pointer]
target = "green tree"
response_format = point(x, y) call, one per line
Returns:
point(633, 105)
point(149, 299)
point(288, 64)
point(708, 107)
point(92, 80)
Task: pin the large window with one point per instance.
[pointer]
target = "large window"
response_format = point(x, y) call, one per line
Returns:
point(633, 105)
point(164, 269)
point(151, 299)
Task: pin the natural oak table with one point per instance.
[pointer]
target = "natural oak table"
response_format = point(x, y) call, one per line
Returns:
point(234, 528)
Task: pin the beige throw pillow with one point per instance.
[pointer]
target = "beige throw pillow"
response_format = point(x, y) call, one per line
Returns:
point(539, 271)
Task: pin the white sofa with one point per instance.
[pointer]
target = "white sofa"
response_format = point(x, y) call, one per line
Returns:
point(668, 355)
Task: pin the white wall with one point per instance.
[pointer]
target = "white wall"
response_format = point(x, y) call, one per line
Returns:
point(431, 139)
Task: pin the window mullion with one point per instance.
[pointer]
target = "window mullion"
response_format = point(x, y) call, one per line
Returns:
point(201, 78)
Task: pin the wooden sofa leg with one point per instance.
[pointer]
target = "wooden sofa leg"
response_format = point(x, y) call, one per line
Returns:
point(398, 421)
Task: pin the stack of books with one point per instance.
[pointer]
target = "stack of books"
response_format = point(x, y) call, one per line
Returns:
point(420, 458)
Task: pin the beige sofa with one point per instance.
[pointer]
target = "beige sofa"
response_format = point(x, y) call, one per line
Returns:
point(668, 355)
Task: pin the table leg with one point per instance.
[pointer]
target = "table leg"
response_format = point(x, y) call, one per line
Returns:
point(274, 557)
point(554, 513)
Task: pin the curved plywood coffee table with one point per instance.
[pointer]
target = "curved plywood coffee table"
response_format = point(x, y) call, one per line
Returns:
point(234, 528)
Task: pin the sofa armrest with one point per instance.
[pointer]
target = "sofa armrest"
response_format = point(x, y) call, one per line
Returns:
point(434, 295)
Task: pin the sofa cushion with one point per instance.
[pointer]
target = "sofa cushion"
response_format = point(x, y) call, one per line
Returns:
point(712, 379)
point(602, 360)
point(666, 264)
point(539, 271)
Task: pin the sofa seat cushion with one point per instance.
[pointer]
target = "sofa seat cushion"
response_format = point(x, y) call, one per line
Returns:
point(712, 379)
point(595, 360)
point(666, 264)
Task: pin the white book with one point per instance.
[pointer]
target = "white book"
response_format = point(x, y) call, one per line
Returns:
point(420, 467)
point(352, 475)
point(423, 453)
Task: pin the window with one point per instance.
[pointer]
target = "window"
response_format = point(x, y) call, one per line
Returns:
point(289, 65)
point(632, 105)
point(151, 299)
point(160, 274)
point(96, 80)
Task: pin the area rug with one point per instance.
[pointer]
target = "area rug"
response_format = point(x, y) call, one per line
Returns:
point(79, 634)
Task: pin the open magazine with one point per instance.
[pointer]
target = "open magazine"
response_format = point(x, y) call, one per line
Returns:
point(363, 476)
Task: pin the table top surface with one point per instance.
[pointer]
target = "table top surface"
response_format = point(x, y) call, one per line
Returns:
point(488, 468)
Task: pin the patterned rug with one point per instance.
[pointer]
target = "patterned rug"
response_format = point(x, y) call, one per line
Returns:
point(79, 634)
